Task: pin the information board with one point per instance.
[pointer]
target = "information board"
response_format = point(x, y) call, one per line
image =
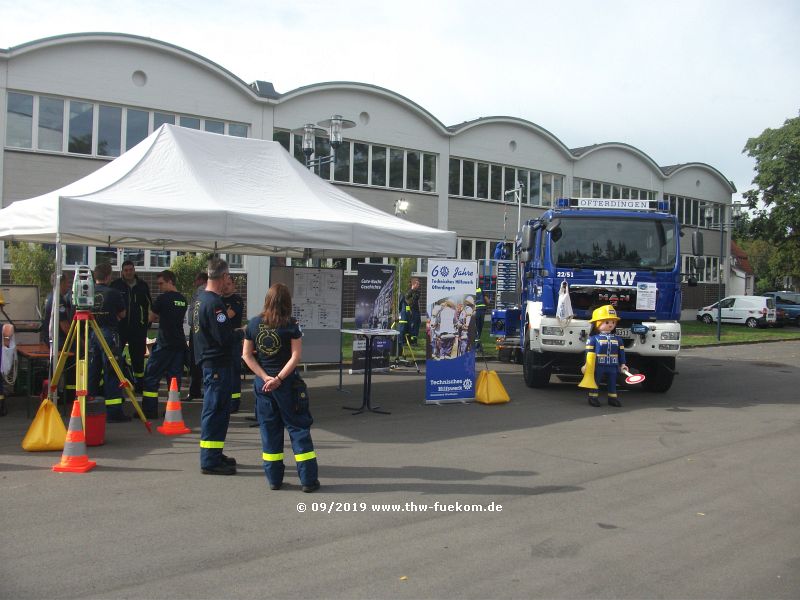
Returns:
point(317, 305)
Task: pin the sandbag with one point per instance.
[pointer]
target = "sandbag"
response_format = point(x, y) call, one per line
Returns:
point(47, 432)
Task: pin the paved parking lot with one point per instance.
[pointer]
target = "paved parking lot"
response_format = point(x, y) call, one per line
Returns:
point(691, 494)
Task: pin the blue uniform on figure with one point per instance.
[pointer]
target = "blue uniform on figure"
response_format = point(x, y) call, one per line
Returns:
point(214, 339)
point(272, 350)
point(168, 354)
point(609, 354)
point(234, 305)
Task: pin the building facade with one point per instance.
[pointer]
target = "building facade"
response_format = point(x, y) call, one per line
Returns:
point(72, 103)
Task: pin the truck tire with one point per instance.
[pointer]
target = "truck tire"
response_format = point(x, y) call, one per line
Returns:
point(536, 374)
point(659, 375)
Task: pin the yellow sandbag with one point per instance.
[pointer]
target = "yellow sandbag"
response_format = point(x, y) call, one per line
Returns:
point(47, 432)
point(489, 389)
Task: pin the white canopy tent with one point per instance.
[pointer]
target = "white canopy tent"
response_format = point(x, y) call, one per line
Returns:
point(182, 189)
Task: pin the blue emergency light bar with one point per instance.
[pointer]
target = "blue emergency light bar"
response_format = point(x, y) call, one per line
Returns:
point(613, 204)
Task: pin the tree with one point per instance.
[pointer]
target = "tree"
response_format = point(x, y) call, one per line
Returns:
point(186, 267)
point(32, 264)
point(776, 197)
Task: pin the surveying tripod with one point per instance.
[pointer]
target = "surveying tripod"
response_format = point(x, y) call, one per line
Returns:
point(82, 321)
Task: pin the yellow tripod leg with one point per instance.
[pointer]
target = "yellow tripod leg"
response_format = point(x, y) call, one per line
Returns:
point(124, 383)
point(62, 360)
point(411, 350)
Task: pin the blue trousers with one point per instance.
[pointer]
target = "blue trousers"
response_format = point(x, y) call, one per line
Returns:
point(274, 411)
point(163, 362)
point(215, 416)
point(609, 373)
point(100, 368)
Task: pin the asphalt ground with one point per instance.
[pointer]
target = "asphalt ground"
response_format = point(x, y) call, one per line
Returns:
point(689, 494)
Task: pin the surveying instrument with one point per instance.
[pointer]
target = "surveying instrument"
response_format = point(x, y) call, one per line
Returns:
point(82, 322)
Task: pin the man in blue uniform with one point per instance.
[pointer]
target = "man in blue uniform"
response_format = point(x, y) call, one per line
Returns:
point(133, 327)
point(109, 308)
point(214, 340)
point(167, 357)
point(234, 305)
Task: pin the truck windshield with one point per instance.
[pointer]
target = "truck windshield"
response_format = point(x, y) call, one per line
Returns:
point(586, 242)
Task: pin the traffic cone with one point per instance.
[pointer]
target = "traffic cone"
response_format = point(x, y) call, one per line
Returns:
point(74, 458)
point(173, 419)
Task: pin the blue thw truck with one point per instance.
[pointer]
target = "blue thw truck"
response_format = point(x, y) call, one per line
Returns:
point(599, 251)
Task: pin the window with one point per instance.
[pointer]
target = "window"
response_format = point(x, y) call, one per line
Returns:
point(51, 124)
point(160, 118)
point(134, 255)
point(190, 122)
point(378, 165)
point(19, 126)
point(412, 170)
point(235, 261)
point(341, 171)
point(396, 167)
point(547, 190)
point(496, 182)
point(468, 178)
point(360, 163)
point(483, 181)
point(105, 255)
point(536, 188)
point(81, 115)
point(159, 258)
point(282, 137)
point(428, 173)
point(322, 147)
point(237, 130)
point(466, 249)
point(109, 131)
point(76, 255)
point(480, 249)
point(136, 127)
point(215, 126)
point(454, 177)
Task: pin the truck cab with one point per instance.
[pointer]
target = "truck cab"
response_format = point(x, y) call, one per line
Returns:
point(600, 251)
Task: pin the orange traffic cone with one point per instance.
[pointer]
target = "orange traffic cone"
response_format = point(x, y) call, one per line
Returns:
point(173, 419)
point(74, 458)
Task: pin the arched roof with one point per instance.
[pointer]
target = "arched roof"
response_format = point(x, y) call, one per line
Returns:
point(466, 125)
point(671, 170)
point(76, 38)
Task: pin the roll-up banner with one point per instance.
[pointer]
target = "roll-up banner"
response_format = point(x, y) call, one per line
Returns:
point(374, 296)
point(450, 365)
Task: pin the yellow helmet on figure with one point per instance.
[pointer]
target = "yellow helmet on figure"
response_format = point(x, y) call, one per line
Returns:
point(604, 313)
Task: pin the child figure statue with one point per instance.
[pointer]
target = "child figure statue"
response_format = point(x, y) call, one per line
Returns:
point(605, 356)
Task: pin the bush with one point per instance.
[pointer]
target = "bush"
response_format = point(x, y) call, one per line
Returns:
point(186, 268)
point(32, 264)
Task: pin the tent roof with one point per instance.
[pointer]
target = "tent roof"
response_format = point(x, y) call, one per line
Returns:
point(183, 189)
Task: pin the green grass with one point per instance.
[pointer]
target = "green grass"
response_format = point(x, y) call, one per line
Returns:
point(695, 333)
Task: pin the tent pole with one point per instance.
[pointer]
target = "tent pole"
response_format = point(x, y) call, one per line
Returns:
point(55, 323)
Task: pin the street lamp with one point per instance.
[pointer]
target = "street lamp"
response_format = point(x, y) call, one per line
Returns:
point(518, 192)
point(310, 131)
point(708, 214)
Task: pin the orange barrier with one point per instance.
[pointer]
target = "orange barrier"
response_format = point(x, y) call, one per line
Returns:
point(74, 459)
point(173, 419)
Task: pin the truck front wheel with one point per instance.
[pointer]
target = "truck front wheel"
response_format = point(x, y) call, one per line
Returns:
point(536, 373)
point(659, 374)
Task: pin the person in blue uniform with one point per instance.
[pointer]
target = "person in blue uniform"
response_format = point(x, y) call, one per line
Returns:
point(272, 350)
point(214, 340)
point(167, 356)
point(133, 327)
point(234, 305)
point(195, 372)
point(481, 300)
point(108, 309)
point(609, 354)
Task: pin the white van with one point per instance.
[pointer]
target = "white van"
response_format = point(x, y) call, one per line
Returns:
point(753, 311)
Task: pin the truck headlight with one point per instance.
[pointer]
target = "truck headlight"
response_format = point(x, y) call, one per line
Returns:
point(669, 346)
point(670, 335)
point(552, 331)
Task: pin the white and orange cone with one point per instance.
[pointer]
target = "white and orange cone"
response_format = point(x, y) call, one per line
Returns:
point(74, 458)
point(173, 419)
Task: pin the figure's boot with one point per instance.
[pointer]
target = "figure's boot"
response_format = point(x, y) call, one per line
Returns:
point(593, 400)
point(614, 401)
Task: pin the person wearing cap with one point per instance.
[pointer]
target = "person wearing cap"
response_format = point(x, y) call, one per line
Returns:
point(607, 352)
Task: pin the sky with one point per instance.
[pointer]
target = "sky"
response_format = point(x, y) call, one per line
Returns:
point(681, 80)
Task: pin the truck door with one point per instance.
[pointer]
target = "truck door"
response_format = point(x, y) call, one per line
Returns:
point(728, 312)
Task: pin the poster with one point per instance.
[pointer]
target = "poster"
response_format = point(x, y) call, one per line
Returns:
point(450, 365)
point(373, 310)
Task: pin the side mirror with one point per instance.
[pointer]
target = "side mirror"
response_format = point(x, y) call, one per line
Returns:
point(697, 243)
point(527, 237)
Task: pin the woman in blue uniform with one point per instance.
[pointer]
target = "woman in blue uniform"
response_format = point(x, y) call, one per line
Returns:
point(272, 350)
